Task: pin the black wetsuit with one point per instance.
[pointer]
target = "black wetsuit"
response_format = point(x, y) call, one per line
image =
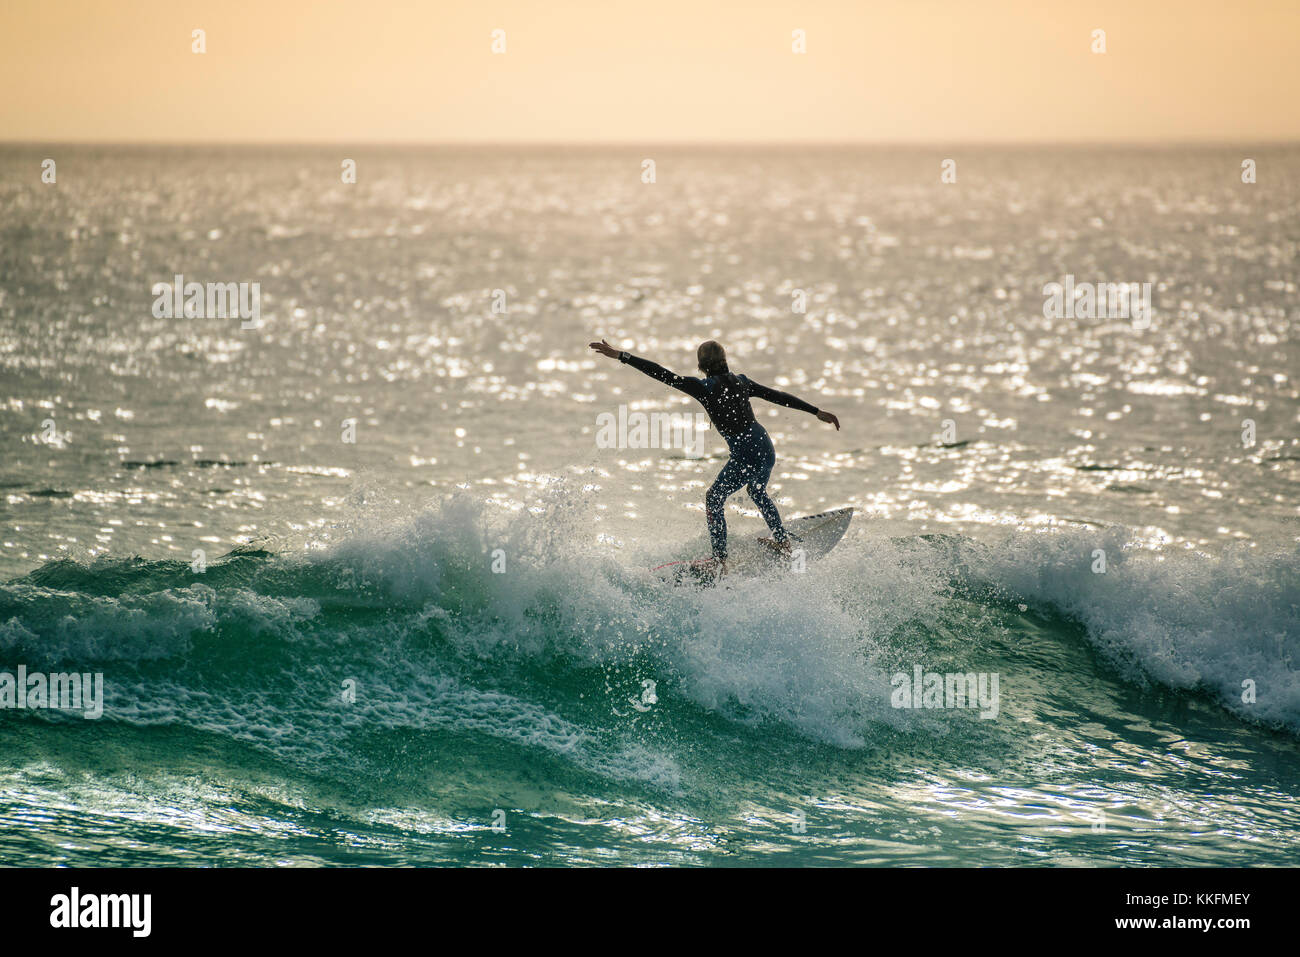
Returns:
point(726, 399)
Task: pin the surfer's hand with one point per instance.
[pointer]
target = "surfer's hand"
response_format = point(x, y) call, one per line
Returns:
point(605, 349)
point(827, 417)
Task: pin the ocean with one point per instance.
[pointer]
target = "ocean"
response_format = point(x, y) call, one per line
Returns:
point(363, 586)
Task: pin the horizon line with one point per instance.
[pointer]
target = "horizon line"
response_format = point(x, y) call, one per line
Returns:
point(671, 143)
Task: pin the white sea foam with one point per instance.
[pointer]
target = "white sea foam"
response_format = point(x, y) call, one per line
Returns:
point(1191, 621)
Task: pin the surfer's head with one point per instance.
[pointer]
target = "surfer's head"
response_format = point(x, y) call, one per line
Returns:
point(712, 358)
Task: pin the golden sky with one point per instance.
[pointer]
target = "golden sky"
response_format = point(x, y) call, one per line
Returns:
point(649, 71)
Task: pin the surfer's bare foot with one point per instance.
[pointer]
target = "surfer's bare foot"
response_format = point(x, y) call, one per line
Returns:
point(781, 548)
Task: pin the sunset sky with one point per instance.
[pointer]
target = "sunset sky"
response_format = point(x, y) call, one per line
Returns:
point(649, 71)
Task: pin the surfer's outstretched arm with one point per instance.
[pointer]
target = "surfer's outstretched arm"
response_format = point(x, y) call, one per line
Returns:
point(790, 402)
point(691, 386)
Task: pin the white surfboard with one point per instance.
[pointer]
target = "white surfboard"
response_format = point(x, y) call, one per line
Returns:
point(811, 537)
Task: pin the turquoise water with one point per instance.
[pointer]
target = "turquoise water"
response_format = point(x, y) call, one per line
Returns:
point(441, 644)
point(228, 739)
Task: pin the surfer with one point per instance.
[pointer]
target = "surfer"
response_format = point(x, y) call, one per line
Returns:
point(725, 397)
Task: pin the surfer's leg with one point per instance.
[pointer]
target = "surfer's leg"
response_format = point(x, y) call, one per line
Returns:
point(768, 510)
point(731, 478)
point(758, 474)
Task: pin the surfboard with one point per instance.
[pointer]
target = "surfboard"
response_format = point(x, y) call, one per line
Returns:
point(811, 537)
